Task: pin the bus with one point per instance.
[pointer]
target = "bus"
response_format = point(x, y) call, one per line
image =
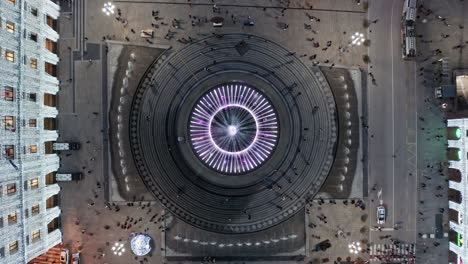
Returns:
point(408, 34)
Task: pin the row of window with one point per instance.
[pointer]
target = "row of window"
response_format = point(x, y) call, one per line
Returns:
point(9, 95)
point(13, 217)
point(10, 124)
point(11, 188)
point(13, 246)
point(11, 57)
point(49, 44)
point(9, 151)
point(49, 68)
point(34, 11)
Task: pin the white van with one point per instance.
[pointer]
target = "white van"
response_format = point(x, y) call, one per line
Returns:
point(57, 146)
point(75, 176)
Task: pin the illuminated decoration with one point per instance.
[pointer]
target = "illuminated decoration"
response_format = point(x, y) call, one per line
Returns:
point(140, 244)
point(357, 38)
point(118, 249)
point(354, 247)
point(233, 128)
point(108, 8)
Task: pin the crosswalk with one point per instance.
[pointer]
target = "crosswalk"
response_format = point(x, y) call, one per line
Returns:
point(400, 252)
point(446, 72)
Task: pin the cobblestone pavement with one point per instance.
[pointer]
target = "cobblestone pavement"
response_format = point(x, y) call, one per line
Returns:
point(432, 177)
point(342, 224)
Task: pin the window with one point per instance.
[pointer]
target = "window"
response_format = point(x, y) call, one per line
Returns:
point(9, 122)
point(11, 189)
point(33, 63)
point(9, 152)
point(9, 94)
point(34, 183)
point(1, 191)
point(32, 97)
point(14, 245)
point(33, 149)
point(10, 55)
point(12, 218)
point(35, 209)
point(34, 11)
point(32, 122)
point(10, 27)
point(36, 235)
point(33, 37)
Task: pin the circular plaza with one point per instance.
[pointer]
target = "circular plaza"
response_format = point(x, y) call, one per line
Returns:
point(232, 134)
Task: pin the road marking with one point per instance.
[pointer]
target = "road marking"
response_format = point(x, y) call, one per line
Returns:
point(382, 229)
point(368, 121)
point(393, 115)
point(416, 152)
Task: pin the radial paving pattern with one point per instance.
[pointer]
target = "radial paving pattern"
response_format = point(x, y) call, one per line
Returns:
point(233, 128)
point(227, 160)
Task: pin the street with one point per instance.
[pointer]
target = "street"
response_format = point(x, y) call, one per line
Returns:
point(392, 125)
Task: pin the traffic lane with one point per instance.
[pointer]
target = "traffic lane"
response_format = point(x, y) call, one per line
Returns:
point(380, 109)
point(405, 161)
point(405, 132)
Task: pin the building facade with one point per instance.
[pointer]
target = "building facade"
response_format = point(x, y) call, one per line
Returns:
point(29, 212)
point(457, 134)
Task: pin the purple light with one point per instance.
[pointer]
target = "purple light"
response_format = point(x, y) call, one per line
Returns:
point(233, 129)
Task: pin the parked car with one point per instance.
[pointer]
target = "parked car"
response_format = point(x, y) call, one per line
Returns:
point(147, 33)
point(76, 258)
point(381, 214)
point(64, 255)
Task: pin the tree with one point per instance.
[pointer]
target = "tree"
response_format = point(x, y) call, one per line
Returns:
point(366, 58)
point(365, 23)
point(365, 6)
point(364, 217)
point(366, 42)
point(363, 230)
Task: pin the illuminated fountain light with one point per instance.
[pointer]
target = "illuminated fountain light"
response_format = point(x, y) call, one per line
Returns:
point(233, 129)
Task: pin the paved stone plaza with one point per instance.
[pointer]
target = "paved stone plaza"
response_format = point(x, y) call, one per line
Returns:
point(111, 202)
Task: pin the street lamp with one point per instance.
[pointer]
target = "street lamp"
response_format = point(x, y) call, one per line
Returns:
point(357, 39)
point(108, 8)
point(354, 248)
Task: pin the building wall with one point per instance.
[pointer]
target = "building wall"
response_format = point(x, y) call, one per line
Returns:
point(27, 29)
point(461, 226)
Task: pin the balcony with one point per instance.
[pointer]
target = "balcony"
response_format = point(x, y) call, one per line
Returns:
point(52, 213)
point(51, 8)
point(54, 238)
point(52, 23)
point(51, 191)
